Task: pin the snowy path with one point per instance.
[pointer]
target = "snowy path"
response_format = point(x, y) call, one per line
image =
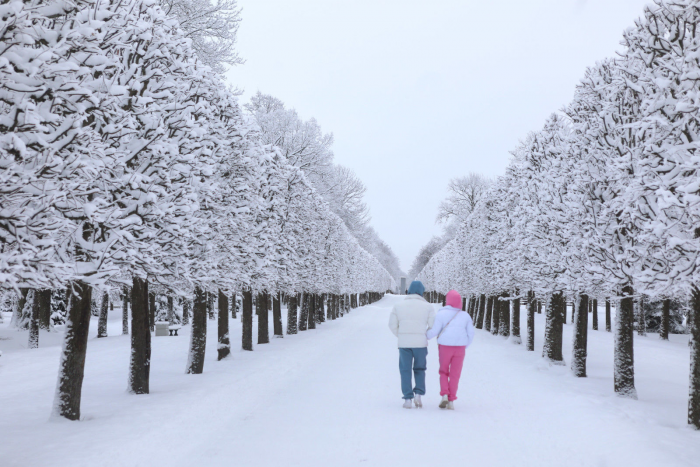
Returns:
point(331, 397)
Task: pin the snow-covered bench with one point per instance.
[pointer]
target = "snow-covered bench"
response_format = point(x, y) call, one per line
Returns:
point(173, 329)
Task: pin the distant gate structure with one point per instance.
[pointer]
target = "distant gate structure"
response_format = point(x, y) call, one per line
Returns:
point(402, 289)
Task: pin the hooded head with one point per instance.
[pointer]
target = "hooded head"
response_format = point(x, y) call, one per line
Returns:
point(416, 287)
point(453, 299)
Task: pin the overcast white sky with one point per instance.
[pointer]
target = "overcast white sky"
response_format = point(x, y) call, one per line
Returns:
point(418, 92)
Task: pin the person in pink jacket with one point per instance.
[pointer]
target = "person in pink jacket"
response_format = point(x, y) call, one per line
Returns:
point(455, 332)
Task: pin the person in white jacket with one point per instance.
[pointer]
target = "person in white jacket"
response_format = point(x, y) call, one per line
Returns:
point(409, 321)
point(455, 332)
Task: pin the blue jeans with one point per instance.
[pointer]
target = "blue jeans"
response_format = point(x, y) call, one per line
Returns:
point(416, 358)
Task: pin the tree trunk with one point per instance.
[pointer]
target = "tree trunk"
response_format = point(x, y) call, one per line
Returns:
point(198, 336)
point(312, 312)
point(152, 310)
point(72, 367)
point(488, 318)
point(665, 317)
point(641, 318)
point(102, 322)
point(554, 328)
point(224, 347)
point(171, 310)
point(234, 305)
point(186, 311)
point(495, 316)
point(247, 321)
point(580, 351)
point(624, 345)
point(34, 322)
point(694, 389)
point(19, 307)
point(608, 325)
point(320, 313)
point(277, 316)
point(531, 309)
point(595, 314)
point(539, 306)
point(140, 363)
point(515, 321)
point(481, 312)
point(125, 311)
point(263, 319)
point(504, 321)
point(44, 299)
point(292, 304)
point(304, 315)
point(210, 306)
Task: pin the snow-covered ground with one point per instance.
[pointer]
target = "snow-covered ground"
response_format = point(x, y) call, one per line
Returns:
point(331, 397)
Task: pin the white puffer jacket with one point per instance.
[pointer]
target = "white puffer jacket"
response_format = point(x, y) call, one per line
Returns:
point(456, 326)
point(410, 320)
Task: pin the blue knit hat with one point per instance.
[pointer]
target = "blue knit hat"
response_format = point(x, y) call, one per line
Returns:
point(417, 288)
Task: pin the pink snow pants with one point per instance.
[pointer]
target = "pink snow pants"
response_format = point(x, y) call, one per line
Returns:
point(451, 360)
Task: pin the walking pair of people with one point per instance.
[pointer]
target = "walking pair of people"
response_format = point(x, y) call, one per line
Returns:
point(414, 322)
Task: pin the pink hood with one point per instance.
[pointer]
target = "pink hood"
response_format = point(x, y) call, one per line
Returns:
point(453, 299)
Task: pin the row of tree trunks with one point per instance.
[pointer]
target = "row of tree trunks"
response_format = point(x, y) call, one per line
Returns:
point(72, 366)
